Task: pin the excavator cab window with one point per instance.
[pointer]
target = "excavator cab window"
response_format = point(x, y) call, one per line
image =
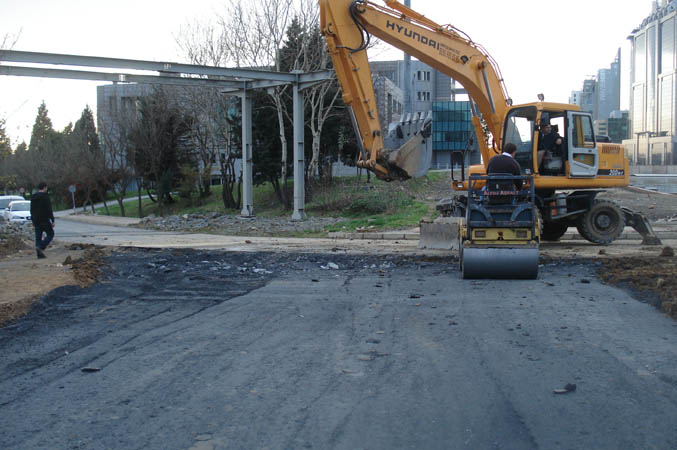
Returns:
point(519, 129)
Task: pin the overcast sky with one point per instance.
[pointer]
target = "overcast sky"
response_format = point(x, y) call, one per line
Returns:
point(539, 48)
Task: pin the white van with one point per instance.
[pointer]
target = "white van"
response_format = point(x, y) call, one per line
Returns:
point(4, 203)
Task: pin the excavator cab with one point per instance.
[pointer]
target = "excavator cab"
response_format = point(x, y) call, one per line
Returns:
point(552, 143)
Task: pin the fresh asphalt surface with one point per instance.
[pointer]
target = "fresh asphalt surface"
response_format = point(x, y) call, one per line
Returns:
point(216, 350)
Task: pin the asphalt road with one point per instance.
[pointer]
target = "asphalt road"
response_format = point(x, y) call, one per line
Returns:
point(211, 350)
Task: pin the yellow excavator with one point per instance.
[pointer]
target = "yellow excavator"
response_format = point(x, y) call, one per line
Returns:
point(566, 178)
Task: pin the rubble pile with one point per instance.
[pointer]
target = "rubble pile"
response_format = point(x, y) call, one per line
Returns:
point(15, 237)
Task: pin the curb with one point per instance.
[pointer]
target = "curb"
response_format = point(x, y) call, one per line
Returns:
point(408, 236)
point(102, 220)
point(628, 234)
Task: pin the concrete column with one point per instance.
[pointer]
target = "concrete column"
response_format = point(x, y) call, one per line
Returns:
point(299, 156)
point(247, 165)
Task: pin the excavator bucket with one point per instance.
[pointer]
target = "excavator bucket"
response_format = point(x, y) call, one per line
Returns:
point(411, 144)
point(441, 234)
point(500, 262)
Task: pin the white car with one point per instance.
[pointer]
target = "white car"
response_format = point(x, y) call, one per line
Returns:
point(5, 199)
point(18, 211)
point(4, 203)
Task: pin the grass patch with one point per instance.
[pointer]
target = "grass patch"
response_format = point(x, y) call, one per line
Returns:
point(376, 204)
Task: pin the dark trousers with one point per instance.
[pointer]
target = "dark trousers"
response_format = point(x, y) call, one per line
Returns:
point(43, 227)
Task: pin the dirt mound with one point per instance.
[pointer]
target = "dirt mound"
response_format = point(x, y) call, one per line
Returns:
point(11, 243)
point(88, 269)
point(653, 275)
point(81, 264)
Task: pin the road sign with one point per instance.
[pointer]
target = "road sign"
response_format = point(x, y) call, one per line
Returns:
point(71, 189)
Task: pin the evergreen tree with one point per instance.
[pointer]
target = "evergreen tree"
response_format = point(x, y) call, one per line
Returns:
point(85, 131)
point(5, 144)
point(291, 54)
point(159, 141)
point(5, 157)
point(43, 132)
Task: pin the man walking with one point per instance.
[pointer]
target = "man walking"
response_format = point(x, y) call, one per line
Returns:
point(42, 218)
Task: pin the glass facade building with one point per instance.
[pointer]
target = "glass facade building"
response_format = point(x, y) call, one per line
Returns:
point(653, 78)
point(452, 128)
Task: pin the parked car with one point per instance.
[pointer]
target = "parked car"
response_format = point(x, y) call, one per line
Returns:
point(4, 203)
point(18, 211)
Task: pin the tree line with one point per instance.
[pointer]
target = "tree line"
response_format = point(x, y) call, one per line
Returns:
point(171, 139)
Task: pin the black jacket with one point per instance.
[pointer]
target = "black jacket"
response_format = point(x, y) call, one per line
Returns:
point(548, 141)
point(505, 164)
point(41, 208)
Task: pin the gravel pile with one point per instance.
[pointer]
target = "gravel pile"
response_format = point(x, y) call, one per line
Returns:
point(15, 237)
point(16, 229)
point(236, 225)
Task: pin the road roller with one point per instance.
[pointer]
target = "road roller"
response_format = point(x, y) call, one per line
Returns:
point(500, 234)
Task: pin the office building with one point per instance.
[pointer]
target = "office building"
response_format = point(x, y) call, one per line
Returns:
point(588, 98)
point(575, 98)
point(618, 126)
point(430, 90)
point(608, 89)
point(389, 101)
point(454, 140)
point(601, 94)
point(653, 110)
point(117, 112)
point(427, 85)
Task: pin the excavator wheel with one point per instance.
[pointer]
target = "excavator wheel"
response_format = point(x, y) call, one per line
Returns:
point(602, 223)
point(552, 231)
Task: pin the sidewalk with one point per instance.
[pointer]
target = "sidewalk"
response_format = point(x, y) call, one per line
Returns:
point(663, 230)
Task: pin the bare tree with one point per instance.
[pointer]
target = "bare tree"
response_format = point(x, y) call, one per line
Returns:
point(207, 109)
point(313, 55)
point(250, 35)
point(204, 44)
point(118, 152)
point(9, 41)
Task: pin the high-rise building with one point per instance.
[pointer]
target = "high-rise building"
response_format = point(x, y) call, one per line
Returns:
point(601, 94)
point(608, 91)
point(653, 74)
point(588, 97)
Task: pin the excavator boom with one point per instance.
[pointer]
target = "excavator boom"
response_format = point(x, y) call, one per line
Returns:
point(348, 25)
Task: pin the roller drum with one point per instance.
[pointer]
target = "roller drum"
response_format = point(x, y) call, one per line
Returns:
point(500, 263)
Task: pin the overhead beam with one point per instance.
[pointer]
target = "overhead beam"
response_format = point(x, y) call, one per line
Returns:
point(116, 77)
point(170, 67)
point(229, 81)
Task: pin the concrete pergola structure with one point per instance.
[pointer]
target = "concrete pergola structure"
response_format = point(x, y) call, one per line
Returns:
point(236, 82)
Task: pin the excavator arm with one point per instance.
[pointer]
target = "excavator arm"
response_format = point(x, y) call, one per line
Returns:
point(347, 26)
